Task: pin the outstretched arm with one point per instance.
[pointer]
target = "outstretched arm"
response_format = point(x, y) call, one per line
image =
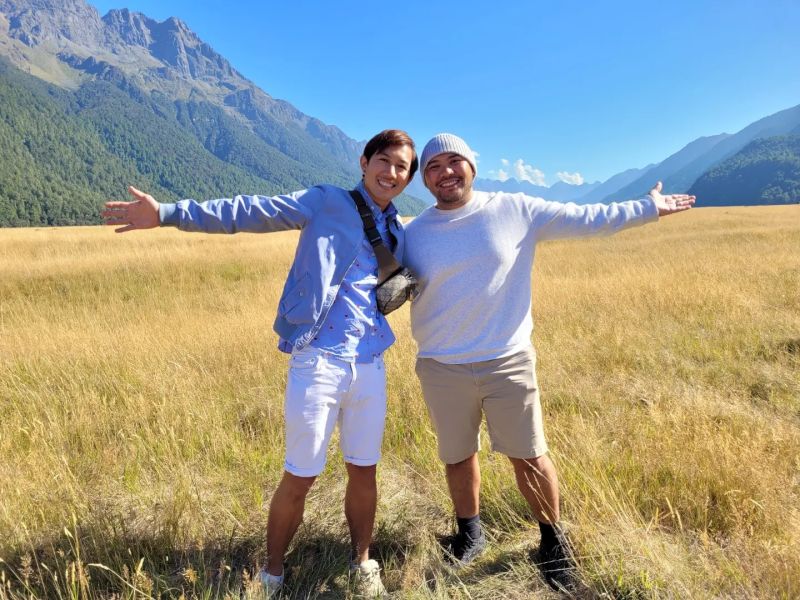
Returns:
point(670, 203)
point(141, 213)
point(557, 220)
point(259, 214)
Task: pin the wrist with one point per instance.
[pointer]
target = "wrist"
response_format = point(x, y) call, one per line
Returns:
point(168, 215)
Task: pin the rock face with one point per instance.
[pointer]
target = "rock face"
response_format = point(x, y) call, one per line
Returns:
point(121, 33)
point(34, 22)
point(132, 28)
point(171, 42)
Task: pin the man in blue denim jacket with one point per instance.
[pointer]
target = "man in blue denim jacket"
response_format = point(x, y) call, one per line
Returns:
point(328, 321)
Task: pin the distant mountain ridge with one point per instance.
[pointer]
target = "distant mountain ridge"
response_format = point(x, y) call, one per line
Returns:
point(696, 167)
point(679, 171)
point(560, 191)
point(766, 171)
point(164, 74)
point(610, 187)
point(666, 169)
point(511, 186)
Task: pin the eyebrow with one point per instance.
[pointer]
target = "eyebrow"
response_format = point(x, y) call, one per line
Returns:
point(400, 161)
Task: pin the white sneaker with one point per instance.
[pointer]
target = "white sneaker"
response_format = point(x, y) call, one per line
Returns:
point(271, 584)
point(367, 580)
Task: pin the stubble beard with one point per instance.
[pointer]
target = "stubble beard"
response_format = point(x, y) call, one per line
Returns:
point(453, 198)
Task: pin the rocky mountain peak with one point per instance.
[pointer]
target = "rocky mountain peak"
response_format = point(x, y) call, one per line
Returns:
point(131, 27)
point(34, 22)
point(170, 41)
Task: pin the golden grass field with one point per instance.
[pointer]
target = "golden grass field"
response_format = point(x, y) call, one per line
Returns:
point(141, 420)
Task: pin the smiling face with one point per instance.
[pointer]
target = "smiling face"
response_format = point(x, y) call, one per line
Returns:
point(449, 178)
point(387, 173)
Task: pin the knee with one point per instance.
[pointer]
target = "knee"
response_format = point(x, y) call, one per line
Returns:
point(538, 465)
point(467, 464)
point(364, 475)
point(297, 487)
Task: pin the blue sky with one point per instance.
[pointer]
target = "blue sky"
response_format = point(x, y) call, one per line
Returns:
point(585, 89)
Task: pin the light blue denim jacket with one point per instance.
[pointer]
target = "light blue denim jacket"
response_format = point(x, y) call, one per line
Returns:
point(330, 237)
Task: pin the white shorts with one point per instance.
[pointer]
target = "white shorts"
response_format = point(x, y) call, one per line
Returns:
point(323, 390)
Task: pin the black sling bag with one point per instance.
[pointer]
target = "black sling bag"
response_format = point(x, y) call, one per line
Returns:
point(396, 283)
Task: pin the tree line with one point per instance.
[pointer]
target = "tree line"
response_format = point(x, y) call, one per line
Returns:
point(63, 153)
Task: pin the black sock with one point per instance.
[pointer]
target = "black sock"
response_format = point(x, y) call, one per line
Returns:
point(549, 534)
point(469, 526)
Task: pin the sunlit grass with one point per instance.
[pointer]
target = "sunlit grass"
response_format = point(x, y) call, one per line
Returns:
point(141, 419)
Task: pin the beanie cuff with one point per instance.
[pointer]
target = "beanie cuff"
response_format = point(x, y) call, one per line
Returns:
point(444, 143)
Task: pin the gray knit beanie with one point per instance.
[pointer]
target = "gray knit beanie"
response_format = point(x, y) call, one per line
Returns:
point(446, 142)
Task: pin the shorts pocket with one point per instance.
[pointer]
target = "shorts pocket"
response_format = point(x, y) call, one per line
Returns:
point(304, 359)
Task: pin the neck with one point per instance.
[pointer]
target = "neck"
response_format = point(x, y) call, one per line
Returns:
point(382, 204)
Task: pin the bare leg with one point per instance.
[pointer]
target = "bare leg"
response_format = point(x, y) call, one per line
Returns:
point(464, 481)
point(538, 482)
point(285, 516)
point(360, 504)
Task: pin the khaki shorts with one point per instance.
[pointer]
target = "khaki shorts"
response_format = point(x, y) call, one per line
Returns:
point(504, 389)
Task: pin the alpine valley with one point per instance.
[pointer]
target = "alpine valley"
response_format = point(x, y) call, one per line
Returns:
point(89, 105)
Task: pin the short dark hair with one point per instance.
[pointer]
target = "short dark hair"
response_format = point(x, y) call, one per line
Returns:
point(392, 137)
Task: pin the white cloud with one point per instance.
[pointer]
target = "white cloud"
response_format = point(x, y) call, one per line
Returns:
point(502, 175)
point(524, 172)
point(504, 161)
point(570, 178)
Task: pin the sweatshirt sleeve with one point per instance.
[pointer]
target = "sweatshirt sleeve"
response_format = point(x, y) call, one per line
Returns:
point(557, 220)
point(257, 214)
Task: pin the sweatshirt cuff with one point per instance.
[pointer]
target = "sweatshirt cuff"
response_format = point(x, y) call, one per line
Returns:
point(650, 209)
point(168, 215)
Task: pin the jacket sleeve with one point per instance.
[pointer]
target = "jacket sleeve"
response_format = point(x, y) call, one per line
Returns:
point(257, 214)
point(557, 220)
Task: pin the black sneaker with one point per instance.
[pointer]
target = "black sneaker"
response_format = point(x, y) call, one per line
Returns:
point(557, 565)
point(461, 550)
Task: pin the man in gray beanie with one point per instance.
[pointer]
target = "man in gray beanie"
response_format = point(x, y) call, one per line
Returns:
point(473, 256)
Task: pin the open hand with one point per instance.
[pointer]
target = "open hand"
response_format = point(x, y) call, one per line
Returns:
point(142, 213)
point(670, 203)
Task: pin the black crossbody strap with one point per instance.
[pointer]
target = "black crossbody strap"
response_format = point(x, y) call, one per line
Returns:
point(366, 216)
point(387, 263)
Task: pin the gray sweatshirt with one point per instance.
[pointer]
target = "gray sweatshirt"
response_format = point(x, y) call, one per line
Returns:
point(474, 266)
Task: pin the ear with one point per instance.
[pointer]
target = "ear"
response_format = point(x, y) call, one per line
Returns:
point(363, 162)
